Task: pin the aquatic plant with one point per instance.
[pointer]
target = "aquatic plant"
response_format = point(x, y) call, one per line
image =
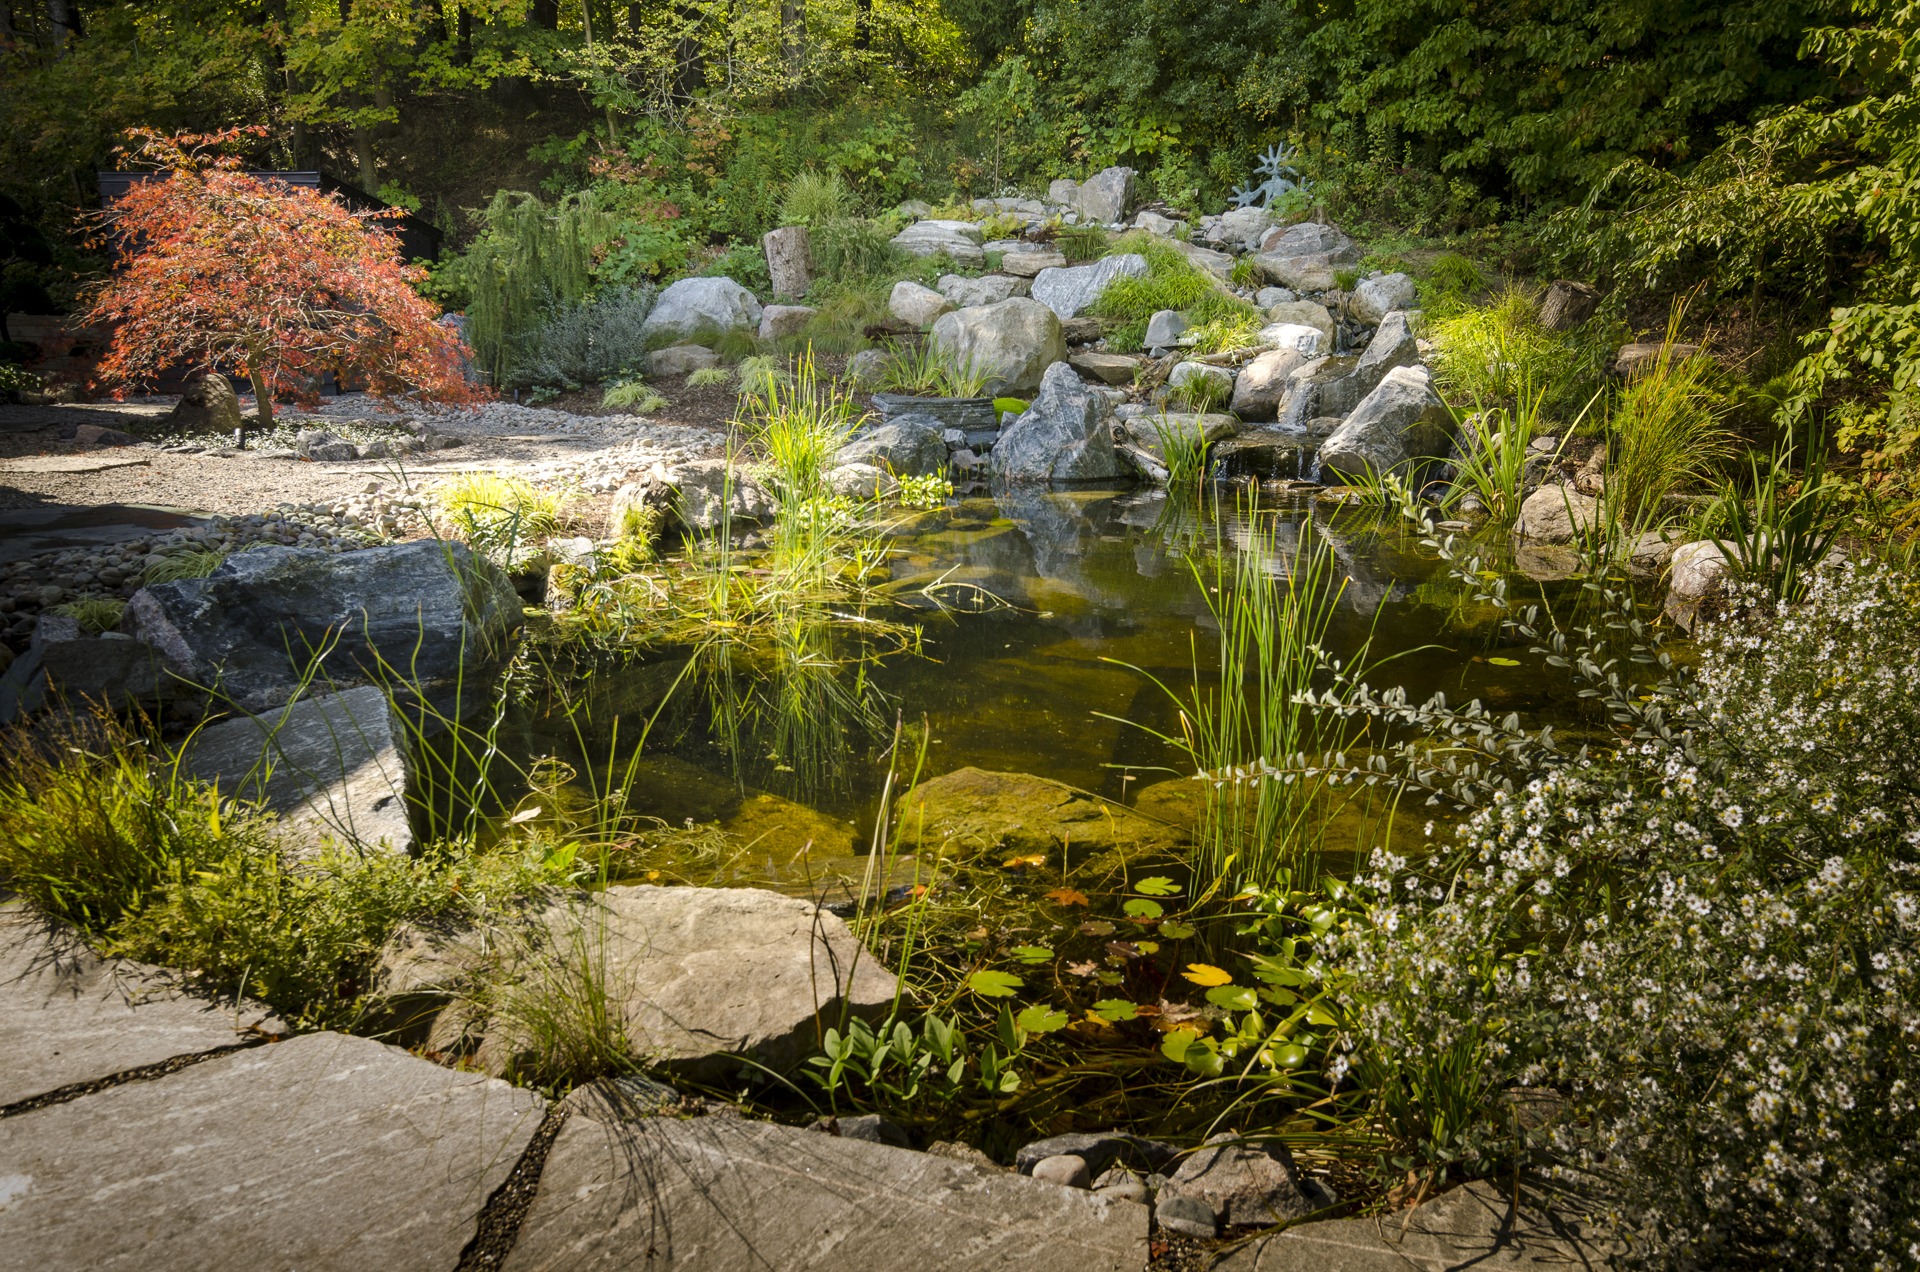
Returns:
point(929, 490)
point(1184, 448)
point(1494, 444)
point(1780, 537)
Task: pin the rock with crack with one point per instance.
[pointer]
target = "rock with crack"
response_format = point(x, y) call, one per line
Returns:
point(252, 630)
point(721, 1194)
point(1375, 298)
point(1073, 289)
point(326, 1153)
point(1263, 383)
point(972, 811)
point(69, 1017)
point(1062, 437)
point(695, 977)
point(1012, 343)
point(1393, 345)
point(916, 305)
point(1106, 197)
point(331, 766)
point(1400, 422)
point(969, 293)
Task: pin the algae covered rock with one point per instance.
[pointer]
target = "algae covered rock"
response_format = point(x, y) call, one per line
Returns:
point(971, 811)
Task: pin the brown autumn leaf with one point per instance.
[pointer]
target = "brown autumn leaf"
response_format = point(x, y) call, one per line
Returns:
point(1068, 896)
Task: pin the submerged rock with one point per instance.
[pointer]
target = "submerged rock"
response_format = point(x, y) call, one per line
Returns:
point(971, 811)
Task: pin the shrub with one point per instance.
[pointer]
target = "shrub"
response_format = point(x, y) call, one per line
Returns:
point(1707, 936)
point(1486, 353)
point(814, 198)
point(585, 343)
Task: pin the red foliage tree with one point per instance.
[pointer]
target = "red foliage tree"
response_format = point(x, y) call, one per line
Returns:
point(223, 271)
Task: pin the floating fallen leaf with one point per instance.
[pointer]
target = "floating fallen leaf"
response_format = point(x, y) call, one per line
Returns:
point(1030, 859)
point(1207, 975)
point(1176, 1015)
point(524, 816)
point(1088, 968)
point(1504, 662)
point(1123, 949)
point(1067, 896)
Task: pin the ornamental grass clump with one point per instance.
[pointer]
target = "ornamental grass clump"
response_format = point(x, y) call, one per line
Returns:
point(1707, 938)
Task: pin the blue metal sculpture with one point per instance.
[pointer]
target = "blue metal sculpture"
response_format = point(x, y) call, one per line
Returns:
point(1282, 178)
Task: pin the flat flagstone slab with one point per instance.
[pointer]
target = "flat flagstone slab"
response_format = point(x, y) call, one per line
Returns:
point(325, 1153)
point(330, 766)
point(722, 1194)
point(68, 1016)
point(72, 463)
point(1466, 1230)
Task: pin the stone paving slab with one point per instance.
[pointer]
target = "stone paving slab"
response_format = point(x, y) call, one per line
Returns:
point(68, 1016)
point(719, 1194)
point(325, 1153)
point(330, 766)
point(1474, 1227)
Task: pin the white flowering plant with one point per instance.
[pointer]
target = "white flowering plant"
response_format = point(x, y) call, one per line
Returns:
point(1704, 938)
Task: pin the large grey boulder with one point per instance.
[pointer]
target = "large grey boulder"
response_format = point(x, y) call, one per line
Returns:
point(1106, 197)
point(1375, 298)
point(1401, 421)
point(700, 310)
point(1245, 1185)
point(1108, 368)
point(1164, 329)
point(990, 289)
point(420, 612)
point(707, 493)
point(916, 305)
point(1012, 342)
point(1393, 345)
point(1061, 190)
point(1197, 380)
point(906, 446)
point(1299, 337)
point(1075, 288)
point(1263, 383)
point(1062, 437)
point(960, 240)
point(1304, 313)
point(725, 1194)
point(1557, 514)
point(861, 481)
point(208, 405)
point(68, 1016)
point(695, 977)
point(789, 252)
point(331, 766)
point(326, 1153)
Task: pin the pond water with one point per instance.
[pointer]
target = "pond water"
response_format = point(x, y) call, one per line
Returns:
point(1043, 620)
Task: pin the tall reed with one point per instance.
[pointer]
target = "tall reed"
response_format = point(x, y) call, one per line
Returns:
point(1664, 431)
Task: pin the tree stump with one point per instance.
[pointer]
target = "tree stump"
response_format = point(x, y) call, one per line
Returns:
point(1567, 304)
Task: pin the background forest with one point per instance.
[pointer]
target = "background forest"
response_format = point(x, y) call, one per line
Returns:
point(1763, 151)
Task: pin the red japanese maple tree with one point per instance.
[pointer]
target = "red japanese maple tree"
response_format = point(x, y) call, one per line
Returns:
point(224, 271)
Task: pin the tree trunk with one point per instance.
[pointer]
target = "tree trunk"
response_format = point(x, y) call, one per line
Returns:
point(463, 37)
point(363, 153)
point(262, 403)
point(546, 13)
point(65, 20)
point(793, 33)
point(863, 24)
point(690, 68)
